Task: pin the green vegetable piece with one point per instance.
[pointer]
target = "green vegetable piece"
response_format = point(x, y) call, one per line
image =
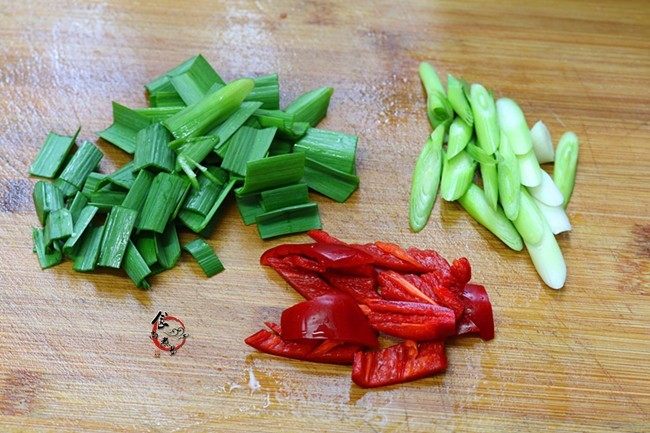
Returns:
point(542, 143)
point(122, 177)
point(266, 91)
point(200, 200)
point(530, 221)
point(311, 107)
point(490, 183)
point(163, 202)
point(249, 206)
point(280, 147)
point(146, 245)
point(52, 155)
point(126, 125)
point(514, 126)
point(456, 91)
point(284, 197)
point(333, 149)
point(508, 179)
point(288, 220)
point(566, 163)
point(479, 155)
point(158, 114)
point(164, 99)
point(206, 114)
point(328, 181)
point(119, 225)
point(460, 134)
point(135, 266)
point(202, 224)
point(273, 172)
point(248, 144)
point(529, 170)
point(286, 123)
point(204, 256)
point(168, 248)
point(457, 176)
point(439, 109)
point(47, 257)
point(85, 259)
point(152, 149)
point(548, 260)
point(137, 195)
point(485, 118)
point(82, 163)
point(106, 200)
point(425, 181)
point(93, 183)
point(232, 124)
point(194, 80)
point(58, 225)
point(475, 203)
point(47, 198)
point(77, 204)
point(81, 224)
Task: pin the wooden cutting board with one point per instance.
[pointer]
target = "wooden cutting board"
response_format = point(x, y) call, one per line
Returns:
point(75, 353)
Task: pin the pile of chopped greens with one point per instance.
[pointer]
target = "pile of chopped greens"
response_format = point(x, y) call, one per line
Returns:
point(199, 141)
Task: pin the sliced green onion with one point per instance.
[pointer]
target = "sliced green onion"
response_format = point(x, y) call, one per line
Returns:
point(284, 197)
point(152, 149)
point(485, 118)
point(548, 260)
point(547, 192)
point(530, 221)
point(490, 183)
point(232, 124)
point(439, 109)
point(193, 82)
point(475, 203)
point(137, 194)
point(201, 200)
point(82, 163)
point(77, 204)
point(93, 183)
point(146, 245)
point(163, 201)
point(125, 127)
point(248, 144)
point(106, 200)
point(273, 172)
point(460, 134)
point(555, 216)
point(158, 114)
point(58, 225)
point(425, 180)
point(288, 127)
point(46, 257)
point(456, 91)
point(52, 155)
point(457, 175)
point(85, 259)
point(328, 181)
point(135, 266)
point(480, 155)
point(280, 147)
point(542, 143)
point(266, 91)
point(249, 206)
point(81, 224)
point(513, 124)
point(47, 198)
point(122, 177)
point(566, 162)
point(161, 82)
point(203, 224)
point(292, 219)
point(508, 179)
point(164, 99)
point(206, 114)
point(119, 225)
point(529, 169)
point(311, 107)
point(168, 248)
point(334, 149)
point(204, 256)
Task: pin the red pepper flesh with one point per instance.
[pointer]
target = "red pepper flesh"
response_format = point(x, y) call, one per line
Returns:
point(308, 284)
point(478, 310)
point(323, 237)
point(359, 288)
point(330, 256)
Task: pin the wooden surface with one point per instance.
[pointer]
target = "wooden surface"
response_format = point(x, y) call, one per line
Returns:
point(74, 348)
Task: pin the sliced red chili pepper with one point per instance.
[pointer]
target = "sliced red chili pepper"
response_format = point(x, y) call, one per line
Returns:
point(431, 260)
point(335, 317)
point(308, 284)
point(300, 262)
point(359, 271)
point(328, 255)
point(386, 260)
point(400, 253)
point(449, 299)
point(392, 291)
point(461, 272)
point(421, 284)
point(360, 288)
point(406, 286)
point(323, 237)
point(314, 350)
point(411, 320)
point(399, 363)
point(478, 310)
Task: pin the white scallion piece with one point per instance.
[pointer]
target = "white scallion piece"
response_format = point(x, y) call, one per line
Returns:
point(542, 143)
point(555, 216)
point(547, 192)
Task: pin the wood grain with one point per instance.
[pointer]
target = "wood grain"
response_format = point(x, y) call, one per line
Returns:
point(74, 349)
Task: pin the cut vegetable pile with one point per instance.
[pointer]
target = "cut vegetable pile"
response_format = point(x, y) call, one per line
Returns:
point(199, 140)
point(515, 198)
point(353, 292)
